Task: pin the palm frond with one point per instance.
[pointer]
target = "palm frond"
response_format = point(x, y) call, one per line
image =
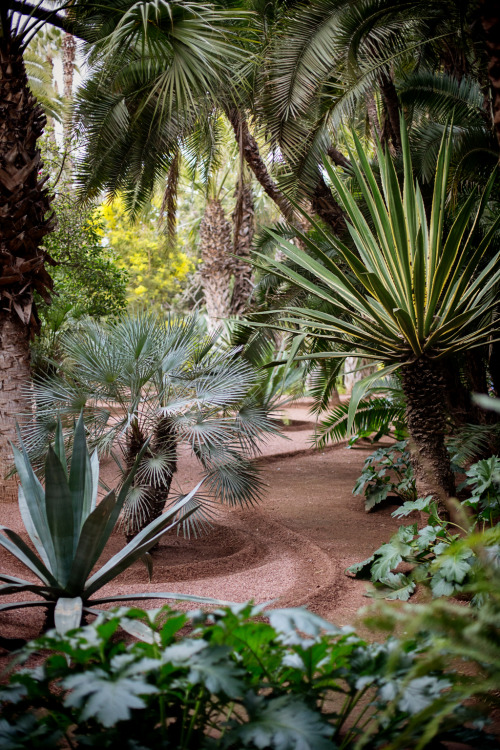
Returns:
point(472, 442)
point(372, 416)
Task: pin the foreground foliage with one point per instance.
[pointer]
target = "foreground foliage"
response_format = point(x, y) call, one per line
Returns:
point(442, 554)
point(235, 681)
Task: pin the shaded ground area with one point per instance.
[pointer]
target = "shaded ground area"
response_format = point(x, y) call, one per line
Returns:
point(292, 548)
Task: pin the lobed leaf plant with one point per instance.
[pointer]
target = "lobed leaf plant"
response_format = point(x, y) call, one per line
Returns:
point(387, 471)
point(241, 677)
point(440, 554)
point(70, 530)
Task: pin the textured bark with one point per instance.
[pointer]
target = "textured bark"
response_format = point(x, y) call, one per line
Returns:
point(391, 131)
point(338, 157)
point(163, 441)
point(68, 64)
point(250, 150)
point(373, 121)
point(14, 379)
point(490, 21)
point(24, 221)
point(494, 366)
point(326, 207)
point(424, 388)
point(24, 202)
point(322, 202)
point(243, 231)
point(218, 265)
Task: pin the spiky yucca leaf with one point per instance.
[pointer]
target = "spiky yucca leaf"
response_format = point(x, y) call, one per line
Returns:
point(418, 289)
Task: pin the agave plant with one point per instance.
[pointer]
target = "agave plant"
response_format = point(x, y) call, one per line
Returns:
point(419, 289)
point(70, 530)
point(143, 377)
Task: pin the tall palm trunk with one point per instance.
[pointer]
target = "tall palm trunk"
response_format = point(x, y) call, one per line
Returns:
point(215, 249)
point(243, 232)
point(68, 64)
point(24, 221)
point(423, 386)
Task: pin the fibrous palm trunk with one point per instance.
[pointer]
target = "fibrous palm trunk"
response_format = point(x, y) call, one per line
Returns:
point(163, 442)
point(423, 386)
point(216, 254)
point(244, 228)
point(68, 64)
point(24, 221)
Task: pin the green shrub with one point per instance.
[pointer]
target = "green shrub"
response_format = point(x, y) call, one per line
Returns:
point(437, 553)
point(483, 480)
point(234, 681)
point(387, 471)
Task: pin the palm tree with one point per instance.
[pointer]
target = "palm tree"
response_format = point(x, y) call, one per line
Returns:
point(123, 36)
point(141, 377)
point(416, 291)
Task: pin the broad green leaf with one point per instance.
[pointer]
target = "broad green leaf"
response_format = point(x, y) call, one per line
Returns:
point(80, 480)
point(35, 501)
point(90, 543)
point(283, 723)
point(100, 697)
point(13, 543)
point(59, 515)
point(59, 448)
point(362, 569)
point(396, 586)
point(31, 529)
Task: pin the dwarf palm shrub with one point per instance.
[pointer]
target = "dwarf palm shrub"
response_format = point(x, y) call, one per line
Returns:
point(142, 378)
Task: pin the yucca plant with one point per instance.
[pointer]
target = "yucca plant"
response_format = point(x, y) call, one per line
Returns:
point(145, 377)
point(414, 295)
point(70, 530)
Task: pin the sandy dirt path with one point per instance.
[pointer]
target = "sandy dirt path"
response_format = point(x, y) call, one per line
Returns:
point(293, 548)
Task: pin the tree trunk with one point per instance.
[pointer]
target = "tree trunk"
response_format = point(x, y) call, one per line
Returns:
point(326, 207)
point(423, 387)
point(249, 148)
point(391, 132)
point(490, 21)
point(243, 231)
point(14, 380)
point(164, 440)
point(24, 221)
point(323, 203)
point(217, 269)
point(68, 64)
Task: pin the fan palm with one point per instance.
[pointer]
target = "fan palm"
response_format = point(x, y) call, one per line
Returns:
point(144, 378)
point(414, 293)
